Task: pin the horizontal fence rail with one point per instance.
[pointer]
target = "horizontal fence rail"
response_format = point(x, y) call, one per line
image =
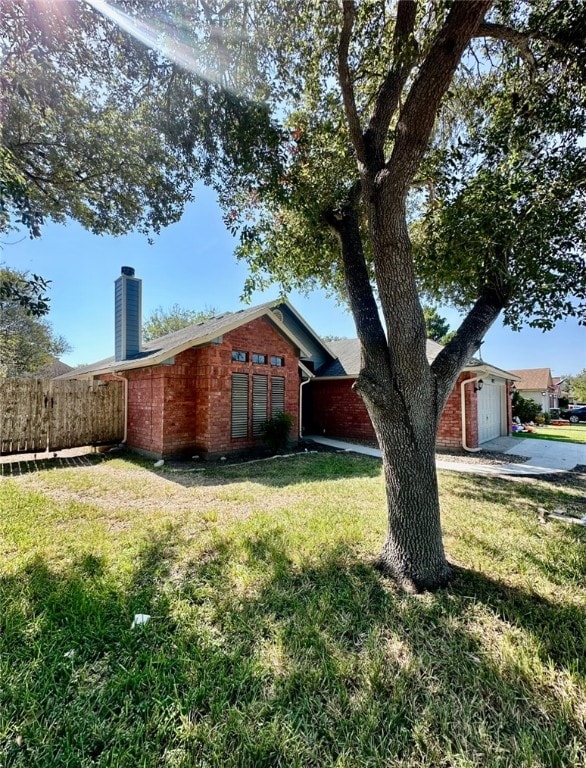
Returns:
point(38, 414)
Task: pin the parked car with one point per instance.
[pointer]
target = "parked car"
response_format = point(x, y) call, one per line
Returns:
point(575, 414)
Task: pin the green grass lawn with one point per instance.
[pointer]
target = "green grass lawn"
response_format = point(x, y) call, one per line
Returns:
point(569, 434)
point(273, 641)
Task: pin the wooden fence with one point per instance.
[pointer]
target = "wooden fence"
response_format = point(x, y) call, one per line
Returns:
point(38, 414)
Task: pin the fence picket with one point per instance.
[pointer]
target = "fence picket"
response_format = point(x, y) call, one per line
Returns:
point(37, 414)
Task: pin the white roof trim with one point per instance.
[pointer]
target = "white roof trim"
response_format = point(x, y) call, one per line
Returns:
point(487, 368)
point(304, 369)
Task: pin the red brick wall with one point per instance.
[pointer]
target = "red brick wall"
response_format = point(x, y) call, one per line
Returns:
point(144, 419)
point(332, 408)
point(261, 337)
point(186, 407)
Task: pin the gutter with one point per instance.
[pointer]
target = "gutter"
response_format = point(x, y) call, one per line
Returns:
point(303, 383)
point(463, 412)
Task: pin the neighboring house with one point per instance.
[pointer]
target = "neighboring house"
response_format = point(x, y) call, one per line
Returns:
point(207, 388)
point(51, 370)
point(559, 391)
point(537, 384)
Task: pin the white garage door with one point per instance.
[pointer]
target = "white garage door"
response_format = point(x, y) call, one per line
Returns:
point(489, 412)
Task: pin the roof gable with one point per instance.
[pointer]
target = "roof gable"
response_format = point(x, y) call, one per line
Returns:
point(534, 378)
point(158, 350)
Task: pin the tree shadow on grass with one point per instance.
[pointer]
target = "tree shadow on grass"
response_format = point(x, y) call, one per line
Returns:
point(254, 659)
point(15, 466)
point(281, 472)
point(510, 493)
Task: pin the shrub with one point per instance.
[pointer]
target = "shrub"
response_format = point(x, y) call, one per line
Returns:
point(526, 410)
point(275, 431)
point(547, 418)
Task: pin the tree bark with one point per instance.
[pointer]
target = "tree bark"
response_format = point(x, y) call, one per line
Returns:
point(406, 425)
point(413, 553)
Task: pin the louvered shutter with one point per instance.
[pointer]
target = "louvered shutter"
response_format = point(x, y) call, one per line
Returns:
point(260, 390)
point(239, 405)
point(277, 395)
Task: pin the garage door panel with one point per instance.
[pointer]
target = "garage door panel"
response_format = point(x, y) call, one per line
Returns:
point(489, 412)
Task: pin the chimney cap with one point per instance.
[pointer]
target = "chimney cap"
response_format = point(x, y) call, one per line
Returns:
point(127, 271)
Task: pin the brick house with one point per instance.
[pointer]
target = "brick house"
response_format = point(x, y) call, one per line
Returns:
point(207, 388)
point(477, 410)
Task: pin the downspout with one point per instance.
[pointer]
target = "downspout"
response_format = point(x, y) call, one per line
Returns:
point(303, 383)
point(463, 413)
point(125, 380)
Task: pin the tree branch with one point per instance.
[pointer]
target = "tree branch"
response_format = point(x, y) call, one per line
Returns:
point(519, 39)
point(387, 99)
point(419, 113)
point(346, 83)
point(345, 224)
point(454, 356)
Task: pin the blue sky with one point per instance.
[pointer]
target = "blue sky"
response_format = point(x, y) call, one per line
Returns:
point(192, 264)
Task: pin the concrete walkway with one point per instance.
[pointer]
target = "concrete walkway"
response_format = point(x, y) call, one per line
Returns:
point(543, 456)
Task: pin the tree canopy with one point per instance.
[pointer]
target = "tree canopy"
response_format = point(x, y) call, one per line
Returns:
point(578, 386)
point(240, 96)
point(162, 321)
point(27, 343)
point(437, 327)
point(383, 150)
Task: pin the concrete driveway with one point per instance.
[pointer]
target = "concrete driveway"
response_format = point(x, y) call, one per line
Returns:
point(545, 454)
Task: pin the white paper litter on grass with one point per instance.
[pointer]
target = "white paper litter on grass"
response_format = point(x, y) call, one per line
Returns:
point(70, 654)
point(159, 463)
point(140, 618)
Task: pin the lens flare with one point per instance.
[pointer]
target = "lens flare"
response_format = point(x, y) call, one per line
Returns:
point(174, 40)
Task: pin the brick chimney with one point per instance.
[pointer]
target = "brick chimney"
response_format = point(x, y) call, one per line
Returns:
point(128, 315)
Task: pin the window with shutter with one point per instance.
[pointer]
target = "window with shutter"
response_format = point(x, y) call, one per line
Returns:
point(277, 395)
point(239, 405)
point(260, 390)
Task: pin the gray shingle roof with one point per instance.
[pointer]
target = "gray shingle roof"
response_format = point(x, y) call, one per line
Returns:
point(348, 354)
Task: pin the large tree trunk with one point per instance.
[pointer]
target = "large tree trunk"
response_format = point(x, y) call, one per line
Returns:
point(413, 552)
point(403, 393)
